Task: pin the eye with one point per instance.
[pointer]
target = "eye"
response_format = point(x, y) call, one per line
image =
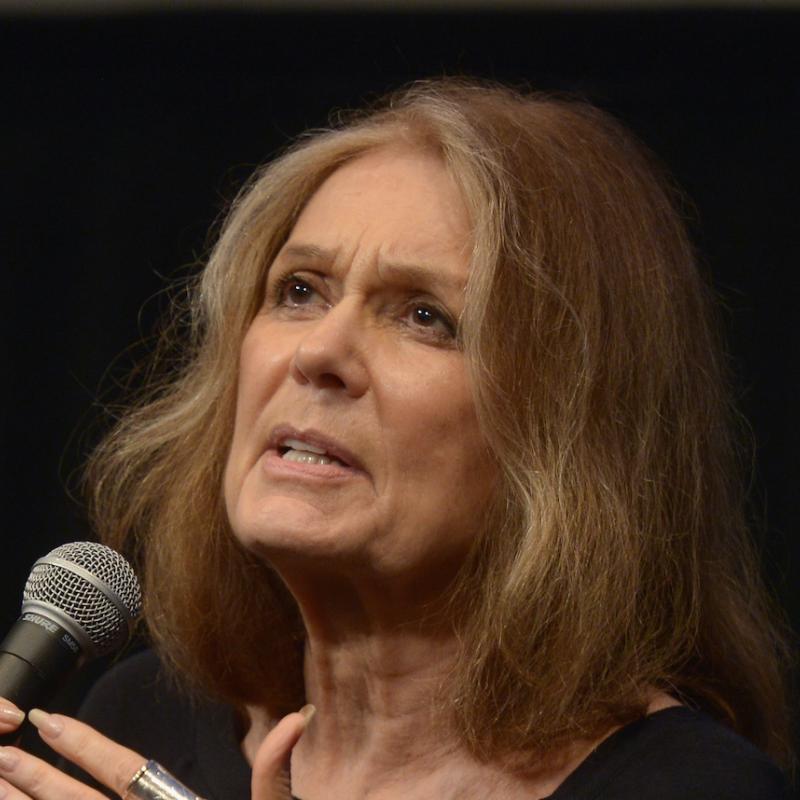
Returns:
point(292, 290)
point(296, 292)
point(430, 318)
point(424, 316)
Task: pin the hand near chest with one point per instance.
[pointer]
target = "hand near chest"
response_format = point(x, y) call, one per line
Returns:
point(25, 777)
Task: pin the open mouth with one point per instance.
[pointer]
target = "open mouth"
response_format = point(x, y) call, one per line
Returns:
point(305, 453)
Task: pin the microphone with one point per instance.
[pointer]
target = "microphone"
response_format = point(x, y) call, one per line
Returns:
point(80, 602)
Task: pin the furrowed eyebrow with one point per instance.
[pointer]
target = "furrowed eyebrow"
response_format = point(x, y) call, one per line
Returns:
point(407, 274)
point(419, 276)
point(310, 251)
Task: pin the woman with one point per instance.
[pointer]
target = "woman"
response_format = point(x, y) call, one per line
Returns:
point(448, 456)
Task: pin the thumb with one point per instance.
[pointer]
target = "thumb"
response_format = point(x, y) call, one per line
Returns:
point(271, 779)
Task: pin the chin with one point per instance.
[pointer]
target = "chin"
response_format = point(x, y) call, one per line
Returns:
point(283, 528)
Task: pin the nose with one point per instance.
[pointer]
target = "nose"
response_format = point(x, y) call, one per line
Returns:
point(330, 355)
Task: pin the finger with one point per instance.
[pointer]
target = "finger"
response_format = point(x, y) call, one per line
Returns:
point(110, 763)
point(271, 765)
point(10, 792)
point(26, 776)
point(10, 716)
point(7, 791)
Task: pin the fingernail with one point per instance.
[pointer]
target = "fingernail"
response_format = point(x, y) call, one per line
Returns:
point(308, 712)
point(8, 759)
point(46, 723)
point(10, 713)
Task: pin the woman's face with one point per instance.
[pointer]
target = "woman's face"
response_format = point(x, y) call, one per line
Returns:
point(356, 445)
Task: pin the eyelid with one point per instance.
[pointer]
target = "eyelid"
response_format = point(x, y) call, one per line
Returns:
point(447, 320)
point(276, 287)
point(278, 282)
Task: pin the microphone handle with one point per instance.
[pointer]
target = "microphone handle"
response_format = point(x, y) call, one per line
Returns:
point(35, 657)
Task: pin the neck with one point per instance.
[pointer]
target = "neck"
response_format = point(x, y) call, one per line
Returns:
point(381, 729)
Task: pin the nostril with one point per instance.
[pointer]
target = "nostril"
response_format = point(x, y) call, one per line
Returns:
point(329, 380)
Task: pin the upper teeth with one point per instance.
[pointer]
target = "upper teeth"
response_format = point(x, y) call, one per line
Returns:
point(296, 444)
point(305, 453)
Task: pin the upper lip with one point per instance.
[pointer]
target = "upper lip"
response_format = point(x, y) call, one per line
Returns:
point(313, 437)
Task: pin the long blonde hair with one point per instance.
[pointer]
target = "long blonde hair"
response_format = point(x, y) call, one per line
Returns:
point(617, 559)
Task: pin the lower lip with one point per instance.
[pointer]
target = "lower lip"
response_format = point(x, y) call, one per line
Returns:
point(277, 466)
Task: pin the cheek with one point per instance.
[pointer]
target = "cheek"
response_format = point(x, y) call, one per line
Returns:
point(447, 485)
point(260, 373)
point(263, 364)
point(437, 432)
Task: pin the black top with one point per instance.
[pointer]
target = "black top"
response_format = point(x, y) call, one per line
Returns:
point(674, 754)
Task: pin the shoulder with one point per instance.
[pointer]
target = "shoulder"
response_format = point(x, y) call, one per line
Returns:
point(676, 753)
point(138, 704)
point(141, 670)
point(135, 693)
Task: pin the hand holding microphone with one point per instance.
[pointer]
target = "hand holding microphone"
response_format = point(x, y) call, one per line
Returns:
point(81, 601)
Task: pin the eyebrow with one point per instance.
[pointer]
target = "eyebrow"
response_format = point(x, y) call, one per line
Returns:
point(308, 251)
point(418, 275)
point(400, 272)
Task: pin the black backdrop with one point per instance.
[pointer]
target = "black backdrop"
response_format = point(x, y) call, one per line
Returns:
point(122, 137)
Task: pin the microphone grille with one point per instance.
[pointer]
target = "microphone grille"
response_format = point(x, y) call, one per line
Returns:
point(91, 588)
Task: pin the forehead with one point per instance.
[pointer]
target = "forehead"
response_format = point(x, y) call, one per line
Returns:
point(397, 203)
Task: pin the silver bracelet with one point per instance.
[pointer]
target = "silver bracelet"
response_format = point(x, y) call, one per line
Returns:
point(153, 782)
